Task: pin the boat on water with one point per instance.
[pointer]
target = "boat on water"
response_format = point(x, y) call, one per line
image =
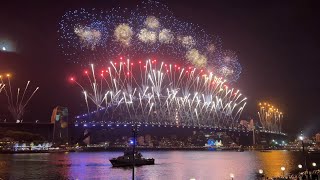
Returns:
point(128, 160)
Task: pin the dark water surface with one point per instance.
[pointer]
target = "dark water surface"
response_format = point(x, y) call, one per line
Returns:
point(169, 165)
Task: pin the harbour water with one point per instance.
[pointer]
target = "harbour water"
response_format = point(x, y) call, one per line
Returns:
point(169, 165)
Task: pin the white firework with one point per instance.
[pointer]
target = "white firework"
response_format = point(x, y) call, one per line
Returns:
point(123, 34)
point(225, 71)
point(1, 87)
point(89, 37)
point(160, 94)
point(149, 29)
point(229, 56)
point(16, 102)
point(211, 48)
point(187, 41)
point(227, 59)
point(147, 36)
point(197, 59)
point(152, 22)
point(166, 36)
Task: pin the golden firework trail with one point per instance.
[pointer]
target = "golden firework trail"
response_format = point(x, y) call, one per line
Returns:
point(270, 117)
point(157, 93)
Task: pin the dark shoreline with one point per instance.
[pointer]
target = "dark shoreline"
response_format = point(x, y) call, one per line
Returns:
point(111, 149)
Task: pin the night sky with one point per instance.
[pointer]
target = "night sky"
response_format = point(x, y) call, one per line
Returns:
point(277, 45)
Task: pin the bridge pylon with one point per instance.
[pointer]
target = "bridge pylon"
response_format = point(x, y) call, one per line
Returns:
point(59, 119)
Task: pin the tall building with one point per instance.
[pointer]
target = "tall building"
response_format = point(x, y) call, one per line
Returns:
point(59, 119)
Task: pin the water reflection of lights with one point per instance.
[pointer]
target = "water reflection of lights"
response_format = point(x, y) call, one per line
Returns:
point(269, 161)
point(171, 165)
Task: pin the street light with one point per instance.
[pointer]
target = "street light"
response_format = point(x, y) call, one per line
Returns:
point(232, 176)
point(261, 173)
point(299, 166)
point(301, 138)
point(304, 154)
point(283, 169)
point(314, 164)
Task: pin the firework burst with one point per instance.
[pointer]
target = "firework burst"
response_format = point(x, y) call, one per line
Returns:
point(157, 93)
point(89, 37)
point(229, 67)
point(149, 30)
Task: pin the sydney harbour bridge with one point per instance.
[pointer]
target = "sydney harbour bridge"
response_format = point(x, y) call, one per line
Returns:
point(241, 134)
point(63, 129)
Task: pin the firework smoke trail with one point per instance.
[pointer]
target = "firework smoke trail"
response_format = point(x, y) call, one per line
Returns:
point(94, 93)
point(270, 117)
point(157, 93)
point(149, 30)
point(1, 86)
point(17, 105)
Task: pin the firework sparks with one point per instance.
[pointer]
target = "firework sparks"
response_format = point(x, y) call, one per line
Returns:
point(123, 34)
point(149, 30)
point(270, 117)
point(89, 37)
point(187, 41)
point(165, 36)
point(164, 94)
point(147, 36)
point(229, 67)
point(16, 103)
point(211, 48)
point(229, 56)
point(2, 85)
point(197, 59)
point(225, 71)
point(152, 22)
